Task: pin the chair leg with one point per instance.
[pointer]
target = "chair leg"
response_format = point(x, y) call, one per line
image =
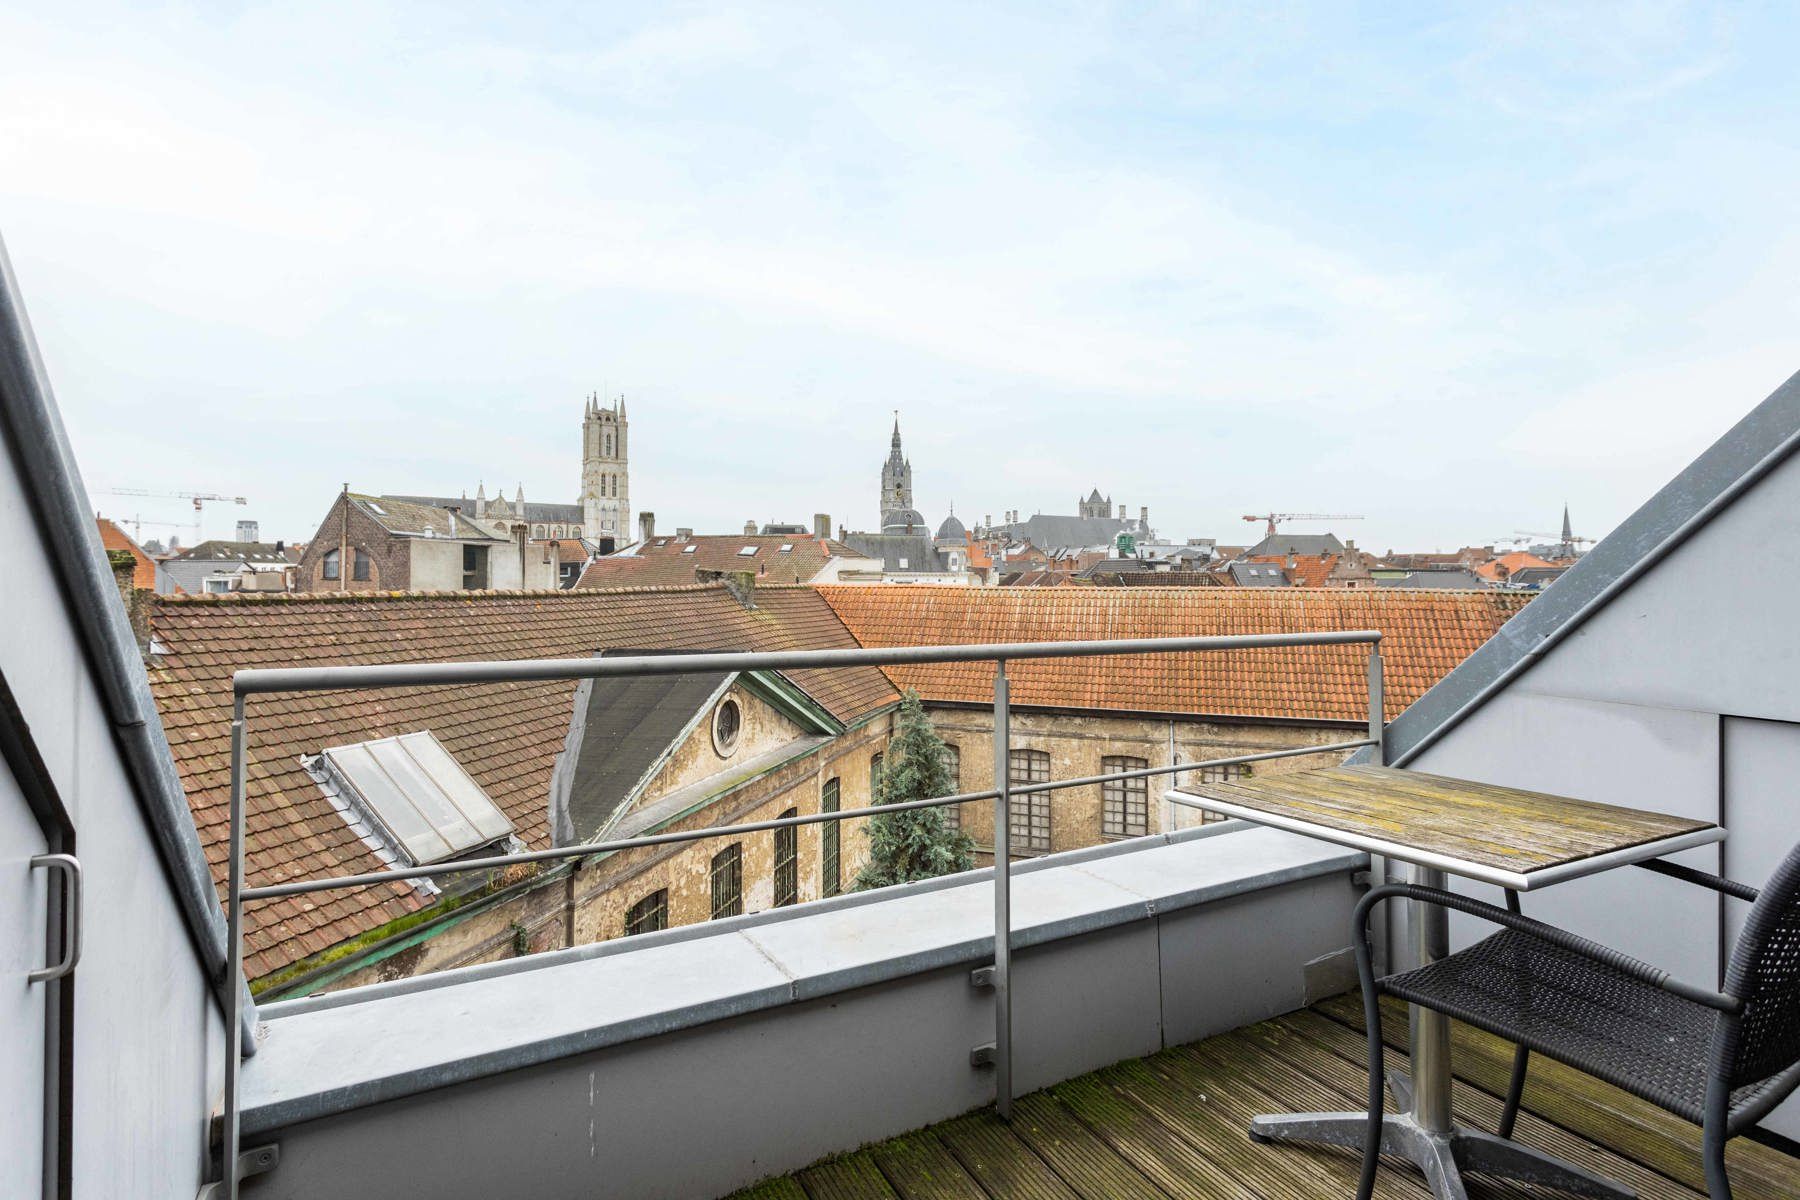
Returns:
point(1712, 1152)
point(1515, 1091)
point(1365, 1187)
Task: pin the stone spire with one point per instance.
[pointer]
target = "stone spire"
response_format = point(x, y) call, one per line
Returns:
point(605, 471)
point(896, 479)
point(1568, 530)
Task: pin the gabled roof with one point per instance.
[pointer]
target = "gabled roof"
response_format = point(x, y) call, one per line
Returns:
point(1748, 451)
point(1264, 574)
point(408, 519)
point(1425, 634)
point(562, 514)
point(628, 727)
point(1306, 570)
point(507, 736)
point(1502, 567)
point(143, 573)
point(218, 550)
point(1297, 543)
point(669, 561)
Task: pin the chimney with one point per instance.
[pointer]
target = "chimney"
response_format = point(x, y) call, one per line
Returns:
point(646, 526)
point(280, 546)
point(822, 525)
point(683, 533)
point(749, 528)
point(247, 531)
point(1144, 515)
point(741, 584)
point(137, 607)
point(1121, 510)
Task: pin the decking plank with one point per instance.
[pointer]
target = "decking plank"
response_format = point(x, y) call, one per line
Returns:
point(1337, 1057)
point(1078, 1156)
point(1004, 1166)
point(784, 1187)
point(1172, 1162)
point(920, 1167)
point(1597, 1110)
point(852, 1177)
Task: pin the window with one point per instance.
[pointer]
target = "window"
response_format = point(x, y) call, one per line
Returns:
point(728, 723)
point(359, 565)
point(329, 565)
point(475, 568)
point(953, 767)
point(419, 799)
point(1124, 803)
point(649, 914)
point(747, 552)
point(875, 780)
point(1029, 815)
point(830, 878)
point(1225, 773)
point(728, 881)
point(690, 548)
point(787, 862)
point(215, 586)
point(785, 548)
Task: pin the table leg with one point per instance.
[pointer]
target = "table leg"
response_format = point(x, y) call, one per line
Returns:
point(1424, 1131)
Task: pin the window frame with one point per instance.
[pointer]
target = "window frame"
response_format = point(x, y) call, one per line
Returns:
point(1029, 819)
point(953, 767)
point(728, 867)
point(330, 566)
point(876, 762)
point(1124, 803)
point(651, 919)
point(831, 865)
point(787, 862)
point(361, 565)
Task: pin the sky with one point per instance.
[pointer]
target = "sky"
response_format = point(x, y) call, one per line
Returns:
point(1445, 270)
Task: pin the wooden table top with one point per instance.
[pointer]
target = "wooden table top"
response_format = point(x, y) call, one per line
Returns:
point(1502, 835)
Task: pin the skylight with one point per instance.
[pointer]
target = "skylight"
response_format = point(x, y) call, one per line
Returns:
point(747, 552)
point(376, 507)
point(689, 548)
point(786, 548)
point(421, 799)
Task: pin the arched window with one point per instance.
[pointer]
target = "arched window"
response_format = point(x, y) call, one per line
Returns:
point(787, 863)
point(328, 568)
point(359, 565)
point(727, 876)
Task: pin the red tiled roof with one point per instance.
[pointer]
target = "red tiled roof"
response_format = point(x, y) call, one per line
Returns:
point(1308, 571)
point(143, 575)
point(506, 735)
point(668, 561)
point(1424, 635)
point(1499, 568)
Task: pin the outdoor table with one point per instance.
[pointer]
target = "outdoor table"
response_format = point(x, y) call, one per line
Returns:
point(1499, 835)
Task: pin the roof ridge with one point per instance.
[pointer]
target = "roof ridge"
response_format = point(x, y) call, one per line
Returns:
point(423, 594)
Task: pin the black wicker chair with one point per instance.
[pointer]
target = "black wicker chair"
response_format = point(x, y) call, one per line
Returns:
point(1720, 1059)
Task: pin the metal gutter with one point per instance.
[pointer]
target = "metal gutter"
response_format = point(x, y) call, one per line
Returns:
point(41, 454)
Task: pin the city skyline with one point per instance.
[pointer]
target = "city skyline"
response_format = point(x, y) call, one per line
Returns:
point(1445, 271)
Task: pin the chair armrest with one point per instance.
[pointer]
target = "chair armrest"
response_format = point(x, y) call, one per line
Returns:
point(1717, 883)
point(1574, 943)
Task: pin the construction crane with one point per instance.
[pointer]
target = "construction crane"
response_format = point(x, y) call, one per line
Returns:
point(1553, 538)
point(1275, 519)
point(199, 499)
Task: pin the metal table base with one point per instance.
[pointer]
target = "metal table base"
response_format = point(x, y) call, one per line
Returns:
point(1424, 1130)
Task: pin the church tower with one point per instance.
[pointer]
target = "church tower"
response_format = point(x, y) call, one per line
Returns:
point(605, 473)
point(896, 478)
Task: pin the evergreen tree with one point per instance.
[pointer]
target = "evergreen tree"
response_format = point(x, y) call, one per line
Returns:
point(918, 844)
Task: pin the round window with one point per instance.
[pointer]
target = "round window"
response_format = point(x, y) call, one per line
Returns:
point(728, 723)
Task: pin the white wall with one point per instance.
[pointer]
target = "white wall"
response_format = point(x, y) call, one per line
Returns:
point(147, 1037)
point(1679, 696)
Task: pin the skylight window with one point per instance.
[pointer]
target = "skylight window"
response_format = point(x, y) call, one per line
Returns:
point(382, 511)
point(420, 799)
point(747, 552)
point(786, 548)
point(689, 548)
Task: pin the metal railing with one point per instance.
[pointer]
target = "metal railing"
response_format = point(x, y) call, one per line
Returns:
point(316, 679)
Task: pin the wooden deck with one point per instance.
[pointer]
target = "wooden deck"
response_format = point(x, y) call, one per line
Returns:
point(1172, 1125)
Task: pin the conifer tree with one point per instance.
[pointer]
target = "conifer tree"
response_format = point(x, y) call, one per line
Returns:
point(918, 844)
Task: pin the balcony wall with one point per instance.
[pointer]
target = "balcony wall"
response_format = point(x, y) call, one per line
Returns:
point(690, 1062)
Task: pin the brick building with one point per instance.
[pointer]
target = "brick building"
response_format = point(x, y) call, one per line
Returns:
point(572, 763)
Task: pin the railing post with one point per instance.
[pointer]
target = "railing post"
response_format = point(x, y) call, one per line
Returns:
point(1383, 925)
point(1002, 894)
point(234, 962)
point(1377, 721)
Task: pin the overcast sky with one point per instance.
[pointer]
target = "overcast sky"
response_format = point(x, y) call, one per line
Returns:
point(1445, 272)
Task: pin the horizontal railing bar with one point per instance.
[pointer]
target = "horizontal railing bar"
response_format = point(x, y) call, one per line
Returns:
point(315, 679)
point(303, 886)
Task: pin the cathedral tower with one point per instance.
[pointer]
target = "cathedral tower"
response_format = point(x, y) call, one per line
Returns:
point(605, 473)
point(896, 477)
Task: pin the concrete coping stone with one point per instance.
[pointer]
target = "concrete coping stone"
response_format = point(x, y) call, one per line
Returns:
point(332, 1054)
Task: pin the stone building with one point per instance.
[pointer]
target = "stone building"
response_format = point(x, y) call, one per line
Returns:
point(380, 544)
point(605, 474)
point(566, 763)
